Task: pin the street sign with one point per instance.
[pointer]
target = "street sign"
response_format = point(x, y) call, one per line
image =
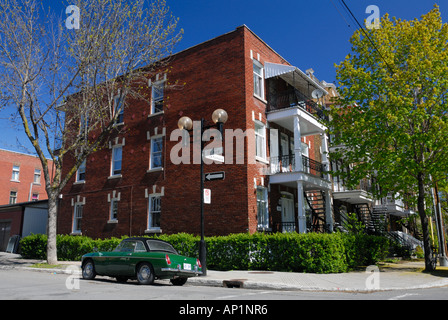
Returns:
point(207, 196)
point(215, 158)
point(215, 176)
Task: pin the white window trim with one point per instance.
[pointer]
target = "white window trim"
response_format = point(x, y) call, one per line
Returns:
point(116, 197)
point(152, 138)
point(258, 64)
point(150, 229)
point(118, 175)
point(262, 158)
point(264, 227)
point(157, 83)
point(76, 205)
point(117, 98)
point(14, 170)
point(83, 165)
point(39, 174)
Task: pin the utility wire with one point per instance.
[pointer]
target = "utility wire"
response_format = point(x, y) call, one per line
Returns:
point(368, 37)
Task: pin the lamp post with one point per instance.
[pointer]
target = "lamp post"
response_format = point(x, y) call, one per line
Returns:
point(219, 117)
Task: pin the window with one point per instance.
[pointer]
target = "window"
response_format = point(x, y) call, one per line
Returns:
point(262, 208)
point(157, 97)
point(154, 212)
point(13, 197)
point(83, 125)
point(15, 173)
point(116, 160)
point(114, 209)
point(35, 197)
point(258, 80)
point(156, 153)
point(130, 246)
point(37, 174)
point(260, 140)
point(81, 173)
point(118, 104)
point(77, 218)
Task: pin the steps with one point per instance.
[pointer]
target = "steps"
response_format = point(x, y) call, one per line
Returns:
point(316, 201)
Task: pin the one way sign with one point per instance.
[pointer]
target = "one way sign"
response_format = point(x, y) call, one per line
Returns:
point(215, 176)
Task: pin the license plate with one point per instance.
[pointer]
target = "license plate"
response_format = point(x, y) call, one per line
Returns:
point(187, 266)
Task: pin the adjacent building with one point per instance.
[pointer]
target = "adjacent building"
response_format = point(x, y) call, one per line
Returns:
point(21, 178)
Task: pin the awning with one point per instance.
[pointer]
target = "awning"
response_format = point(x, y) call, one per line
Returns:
point(293, 75)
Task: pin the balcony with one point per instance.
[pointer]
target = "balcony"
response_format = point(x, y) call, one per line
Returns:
point(284, 171)
point(288, 163)
point(292, 98)
point(361, 194)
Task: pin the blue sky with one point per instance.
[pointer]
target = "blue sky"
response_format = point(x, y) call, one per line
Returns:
point(307, 33)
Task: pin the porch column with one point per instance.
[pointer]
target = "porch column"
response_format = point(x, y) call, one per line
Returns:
point(298, 146)
point(328, 213)
point(325, 160)
point(301, 217)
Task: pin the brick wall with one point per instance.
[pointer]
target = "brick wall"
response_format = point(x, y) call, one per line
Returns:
point(215, 74)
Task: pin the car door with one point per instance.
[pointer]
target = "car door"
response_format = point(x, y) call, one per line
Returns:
point(119, 260)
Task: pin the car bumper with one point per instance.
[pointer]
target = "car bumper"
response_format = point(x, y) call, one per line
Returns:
point(180, 272)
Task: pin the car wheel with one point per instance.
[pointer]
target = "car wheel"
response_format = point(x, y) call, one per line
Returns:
point(88, 270)
point(145, 273)
point(178, 281)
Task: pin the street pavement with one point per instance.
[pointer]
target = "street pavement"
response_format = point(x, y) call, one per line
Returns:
point(403, 275)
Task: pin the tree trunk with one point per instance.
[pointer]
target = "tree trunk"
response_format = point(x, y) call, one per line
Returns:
point(424, 220)
point(52, 255)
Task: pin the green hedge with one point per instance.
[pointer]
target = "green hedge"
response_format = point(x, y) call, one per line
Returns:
point(316, 253)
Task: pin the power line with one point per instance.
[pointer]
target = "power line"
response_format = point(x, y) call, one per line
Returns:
point(368, 37)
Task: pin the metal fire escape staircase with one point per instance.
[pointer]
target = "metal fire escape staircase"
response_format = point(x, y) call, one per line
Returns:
point(316, 201)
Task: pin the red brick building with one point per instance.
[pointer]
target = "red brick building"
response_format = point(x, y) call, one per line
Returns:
point(134, 187)
point(21, 178)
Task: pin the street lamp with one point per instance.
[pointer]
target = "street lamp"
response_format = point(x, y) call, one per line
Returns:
point(219, 117)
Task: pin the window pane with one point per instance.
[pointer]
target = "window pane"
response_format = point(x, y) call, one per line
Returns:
point(156, 153)
point(157, 97)
point(116, 160)
point(15, 173)
point(154, 212)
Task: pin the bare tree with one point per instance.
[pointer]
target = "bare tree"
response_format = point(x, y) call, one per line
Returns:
point(78, 73)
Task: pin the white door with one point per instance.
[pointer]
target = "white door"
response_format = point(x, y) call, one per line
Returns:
point(284, 144)
point(288, 221)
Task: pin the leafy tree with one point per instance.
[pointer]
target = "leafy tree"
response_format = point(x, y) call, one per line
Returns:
point(391, 118)
point(78, 66)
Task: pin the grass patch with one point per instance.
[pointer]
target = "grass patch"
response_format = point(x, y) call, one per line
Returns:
point(46, 265)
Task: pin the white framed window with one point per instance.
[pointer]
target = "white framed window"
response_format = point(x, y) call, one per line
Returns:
point(77, 217)
point(156, 153)
point(37, 175)
point(83, 125)
point(262, 208)
point(258, 79)
point(260, 141)
point(35, 197)
point(157, 97)
point(119, 107)
point(81, 173)
point(154, 211)
point(114, 209)
point(117, 157)
point(13, 197)
point(15, 173)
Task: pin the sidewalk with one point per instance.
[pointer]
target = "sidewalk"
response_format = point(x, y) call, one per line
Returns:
point(396, 276)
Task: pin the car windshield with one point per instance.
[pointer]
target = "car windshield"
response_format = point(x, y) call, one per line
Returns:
point(160, 246)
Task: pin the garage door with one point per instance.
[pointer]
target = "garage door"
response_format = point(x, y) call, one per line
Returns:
point(5, 230)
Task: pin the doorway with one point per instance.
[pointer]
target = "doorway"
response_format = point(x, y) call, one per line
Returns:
point(288, 221)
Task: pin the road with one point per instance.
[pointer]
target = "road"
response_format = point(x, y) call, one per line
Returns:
point(32, 285)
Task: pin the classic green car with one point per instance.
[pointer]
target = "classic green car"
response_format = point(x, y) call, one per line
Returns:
point(143, 259)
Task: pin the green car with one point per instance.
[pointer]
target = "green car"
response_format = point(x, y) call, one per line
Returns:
point(143, 259)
